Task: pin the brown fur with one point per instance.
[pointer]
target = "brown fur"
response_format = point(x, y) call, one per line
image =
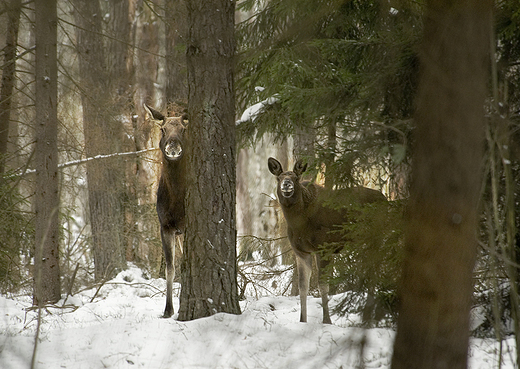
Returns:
point(310, 222)
point(170, 193)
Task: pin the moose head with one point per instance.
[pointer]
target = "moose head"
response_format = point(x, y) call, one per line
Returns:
point(288, 188)
point(172, 134)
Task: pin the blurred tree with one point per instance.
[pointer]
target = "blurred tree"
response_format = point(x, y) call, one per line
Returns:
point(436, 291)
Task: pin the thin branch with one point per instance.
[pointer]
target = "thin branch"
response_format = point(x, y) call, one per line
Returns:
point(82, 161)
point(86, 160)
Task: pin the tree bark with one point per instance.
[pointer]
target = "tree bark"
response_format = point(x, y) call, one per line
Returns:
point(46, 260)
point(102, 134)
point(209, 270)
point(433, 324)
point(176, 29)
point(8, 76)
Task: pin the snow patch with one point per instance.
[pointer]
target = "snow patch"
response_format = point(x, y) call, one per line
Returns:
point(120, 327)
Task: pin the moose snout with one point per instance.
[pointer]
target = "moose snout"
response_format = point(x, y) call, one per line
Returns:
point(173, 150)
point(287, 187)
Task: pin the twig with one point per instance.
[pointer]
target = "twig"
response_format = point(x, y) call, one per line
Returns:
point(71, 284)
point(97, 291)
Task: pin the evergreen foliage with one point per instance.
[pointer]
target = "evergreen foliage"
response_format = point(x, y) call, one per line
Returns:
point(349, 65)
point(345, 71)
point(368, 264)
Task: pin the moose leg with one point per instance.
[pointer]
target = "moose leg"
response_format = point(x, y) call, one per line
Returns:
point(304, 264)
point(168, 242)
point(324, 288)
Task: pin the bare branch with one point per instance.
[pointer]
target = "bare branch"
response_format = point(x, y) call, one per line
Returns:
point(86, 160)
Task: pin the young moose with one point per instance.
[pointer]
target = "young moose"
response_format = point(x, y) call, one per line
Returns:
point(310, 222)
point(171, 192)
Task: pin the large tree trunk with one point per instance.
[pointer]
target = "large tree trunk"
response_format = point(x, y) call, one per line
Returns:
point(46, 260)
point(102, 133)
point(209, 270)
point(8, 76)
point(433, 325)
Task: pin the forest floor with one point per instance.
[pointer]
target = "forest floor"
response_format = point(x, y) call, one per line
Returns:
point(121, 327)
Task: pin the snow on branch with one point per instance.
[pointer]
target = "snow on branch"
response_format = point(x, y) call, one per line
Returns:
point(252, 112)
point(97, 157)
point(86, 160)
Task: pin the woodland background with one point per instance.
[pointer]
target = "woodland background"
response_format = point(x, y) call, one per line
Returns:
point(336, 83)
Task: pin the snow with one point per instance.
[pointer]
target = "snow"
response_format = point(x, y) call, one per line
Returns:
point(120, 327)
point(253, 111)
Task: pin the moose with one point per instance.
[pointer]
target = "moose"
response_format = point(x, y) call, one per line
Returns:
point(171, 192)
point(311, 223)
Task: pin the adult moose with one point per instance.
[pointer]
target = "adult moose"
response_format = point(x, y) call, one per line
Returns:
point(310, 223)
point(171, 192)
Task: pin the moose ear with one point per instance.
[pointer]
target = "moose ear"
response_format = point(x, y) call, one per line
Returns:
point(299, 167)
point(153, 113)
point(274, 166)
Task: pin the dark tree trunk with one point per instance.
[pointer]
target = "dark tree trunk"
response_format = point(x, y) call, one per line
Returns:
point(102, 134)
point(8, 76)
point(433, 325)
point(209, 270)
point(47, 267)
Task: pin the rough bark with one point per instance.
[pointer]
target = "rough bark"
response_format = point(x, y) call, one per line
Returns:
point(209, 271)
point(176, 29)
point(46, 200)
point(433, 325)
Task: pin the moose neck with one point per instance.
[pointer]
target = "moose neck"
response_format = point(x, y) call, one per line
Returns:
point(172, 172)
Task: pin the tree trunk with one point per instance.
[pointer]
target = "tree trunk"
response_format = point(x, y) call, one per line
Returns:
point(8, 76)
point(102, 134)
point(46, 260)
point(209, 270)
point(436, 290)
point(120, 74)
point(146, 135)
point(176, 28)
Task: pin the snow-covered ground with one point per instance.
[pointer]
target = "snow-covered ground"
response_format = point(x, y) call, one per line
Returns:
point(121, 328)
